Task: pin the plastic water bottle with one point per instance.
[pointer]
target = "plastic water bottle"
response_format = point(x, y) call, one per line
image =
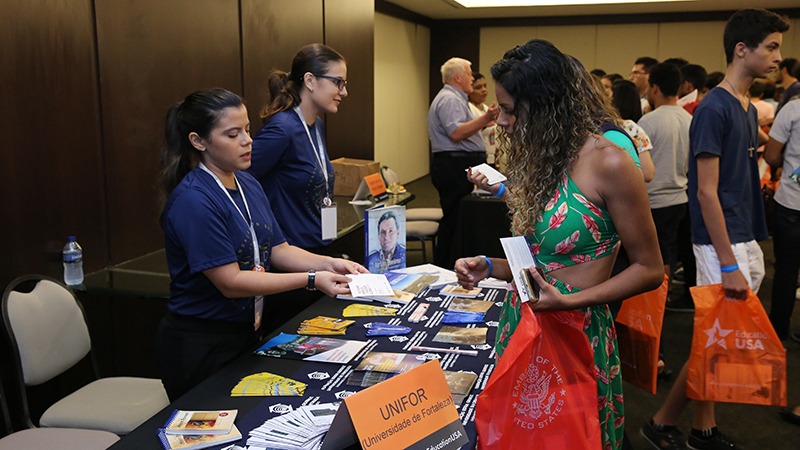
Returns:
point(73, 262)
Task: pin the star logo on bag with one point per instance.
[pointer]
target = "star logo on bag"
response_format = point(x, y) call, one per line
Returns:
point(716, 335)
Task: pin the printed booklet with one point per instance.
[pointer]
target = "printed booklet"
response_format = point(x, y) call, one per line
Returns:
point(385, 238)
point(200, 422)
point(311, 348)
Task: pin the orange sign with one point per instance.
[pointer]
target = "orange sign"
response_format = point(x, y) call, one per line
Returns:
point(376, 186)
point(412, 410)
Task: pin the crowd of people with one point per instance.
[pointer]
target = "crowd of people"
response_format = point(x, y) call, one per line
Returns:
point(701, 143)
point(662, 169)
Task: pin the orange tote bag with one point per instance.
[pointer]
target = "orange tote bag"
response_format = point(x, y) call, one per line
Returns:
point(638, 327)
point(736, 355)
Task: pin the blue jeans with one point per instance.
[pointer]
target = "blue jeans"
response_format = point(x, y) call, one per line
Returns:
point(786, 242)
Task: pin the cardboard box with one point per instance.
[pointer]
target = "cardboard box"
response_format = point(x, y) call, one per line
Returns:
point(350, 172)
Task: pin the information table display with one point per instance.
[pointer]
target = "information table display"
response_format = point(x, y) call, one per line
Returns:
point(328, 382)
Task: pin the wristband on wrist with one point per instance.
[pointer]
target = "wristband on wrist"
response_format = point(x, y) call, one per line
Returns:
point(728, 269)
point(312, 275)
point(489, 261)
point(500, 192)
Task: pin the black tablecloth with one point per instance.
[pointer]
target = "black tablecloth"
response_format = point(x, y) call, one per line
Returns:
point(214, 393)
point(482, 221)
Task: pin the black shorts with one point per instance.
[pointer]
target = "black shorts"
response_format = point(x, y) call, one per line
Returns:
point(667, 221)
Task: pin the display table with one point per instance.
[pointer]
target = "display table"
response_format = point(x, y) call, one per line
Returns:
point(328, 383)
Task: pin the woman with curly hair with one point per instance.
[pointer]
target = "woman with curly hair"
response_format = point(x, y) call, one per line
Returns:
point(574, 195)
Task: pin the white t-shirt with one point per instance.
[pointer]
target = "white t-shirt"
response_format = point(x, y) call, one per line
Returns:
point(786, 128)
point(489, 133)
point(764, 109)
point(668, 128)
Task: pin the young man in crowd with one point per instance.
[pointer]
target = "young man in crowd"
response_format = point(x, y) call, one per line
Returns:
point(694, 78)
point(639, 75)
point(668, 128)
point(725, 202)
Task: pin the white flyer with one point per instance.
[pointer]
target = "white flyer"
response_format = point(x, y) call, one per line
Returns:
point(519, 256)
point(369, 284)
point(492, 175)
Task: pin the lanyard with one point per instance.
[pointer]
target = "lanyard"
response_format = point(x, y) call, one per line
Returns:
point(256, 253)
point(319, 153)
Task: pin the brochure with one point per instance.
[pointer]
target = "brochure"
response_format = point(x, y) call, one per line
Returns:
point(389, 362)
point(458, 291)
point(491, 173)
point(385, 238)
point(311, 348)
point(200, 422)
point(196, 441)
point(457, 335)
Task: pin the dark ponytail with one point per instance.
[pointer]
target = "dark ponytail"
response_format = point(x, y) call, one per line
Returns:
point(284, 88)
point(199, 113)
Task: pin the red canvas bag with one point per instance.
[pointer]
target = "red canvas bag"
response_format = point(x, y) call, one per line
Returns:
point(543, 392)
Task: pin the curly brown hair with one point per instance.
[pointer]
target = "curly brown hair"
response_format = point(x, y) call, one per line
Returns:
point(554, 120)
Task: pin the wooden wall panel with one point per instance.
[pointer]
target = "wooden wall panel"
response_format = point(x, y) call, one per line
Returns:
point(618, 46)
point(272, 33)
point(683, 40)
point(350, 29)
point(152, 54)
point(51, 178)
point(452, 38)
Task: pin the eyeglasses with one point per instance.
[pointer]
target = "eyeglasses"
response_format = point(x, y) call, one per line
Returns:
point(341, 83)
point(638, 72)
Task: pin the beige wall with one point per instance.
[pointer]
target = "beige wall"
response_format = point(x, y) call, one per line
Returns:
point(402, 54)
point(614, 48)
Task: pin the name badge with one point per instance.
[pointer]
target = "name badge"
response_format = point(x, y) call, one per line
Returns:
point(329, 228)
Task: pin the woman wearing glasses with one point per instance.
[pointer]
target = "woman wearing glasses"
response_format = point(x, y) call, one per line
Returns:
point(289, 152)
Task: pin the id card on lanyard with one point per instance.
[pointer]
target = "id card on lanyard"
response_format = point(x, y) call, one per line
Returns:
point(328, 209)
point(258, 301)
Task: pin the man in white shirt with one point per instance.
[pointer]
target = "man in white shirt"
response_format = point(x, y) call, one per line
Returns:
point(668, 128)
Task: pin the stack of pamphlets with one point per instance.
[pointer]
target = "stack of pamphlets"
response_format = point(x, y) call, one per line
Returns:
point(413, 283)
point(301, 429)
point(445, 277)
point(358, 310)
point(460, 384)
point(379, 366)
point(463, 310)
point(324, 326)
point(198, 429)
point(458, 291)
point(385, 329)
point(459, 335)
point(311, 348)
point(267, 384)
point(369, 287)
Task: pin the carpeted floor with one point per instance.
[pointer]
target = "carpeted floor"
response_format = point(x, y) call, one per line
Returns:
point(754, 427)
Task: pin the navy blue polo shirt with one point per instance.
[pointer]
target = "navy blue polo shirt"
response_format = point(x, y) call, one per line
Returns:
point(203, 230)
point(285, 164)
point(721, 127)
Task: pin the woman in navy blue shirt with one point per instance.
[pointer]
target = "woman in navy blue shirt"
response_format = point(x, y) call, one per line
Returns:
point(289, 152)
point(221, 239)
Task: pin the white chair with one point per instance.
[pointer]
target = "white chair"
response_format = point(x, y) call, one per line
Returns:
point(51, 438)
point(47, 332)
point(422, 230)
